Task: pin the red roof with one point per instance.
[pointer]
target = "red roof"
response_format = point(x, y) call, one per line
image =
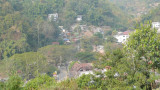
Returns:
point(126, 32)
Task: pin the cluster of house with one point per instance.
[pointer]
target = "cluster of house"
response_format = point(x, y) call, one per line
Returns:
point(77, 32)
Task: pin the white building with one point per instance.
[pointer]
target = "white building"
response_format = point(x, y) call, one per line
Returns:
point(122, 36)
point(79, 18)
point(53, 17)
point(86, 73)
point(156, 25)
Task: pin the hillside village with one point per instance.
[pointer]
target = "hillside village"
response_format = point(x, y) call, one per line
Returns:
point(79, 45)
point(74, 36)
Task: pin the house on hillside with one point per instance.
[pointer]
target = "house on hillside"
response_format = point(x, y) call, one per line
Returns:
point(122, 36)
point(156, 25)
point(53, 17)
point(80, 68)
point(79, 18)
point(66, 41)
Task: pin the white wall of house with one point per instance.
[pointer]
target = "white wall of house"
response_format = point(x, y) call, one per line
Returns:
point(121, 38)
point(79, 18)
point(156, 25)
point(85, 73)
point(53, 17)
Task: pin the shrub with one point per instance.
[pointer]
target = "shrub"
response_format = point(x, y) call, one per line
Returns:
point(39, 82)
point(13, 83)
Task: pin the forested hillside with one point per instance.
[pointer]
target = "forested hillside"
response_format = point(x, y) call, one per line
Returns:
point(96, 12)
point(136, 7)
point(153, 15)
point(135, 66)
point(24, 26)
point(50, 44)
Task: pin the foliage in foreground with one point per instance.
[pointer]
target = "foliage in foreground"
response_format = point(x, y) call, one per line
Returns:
point(39, 82)
point(14, 83)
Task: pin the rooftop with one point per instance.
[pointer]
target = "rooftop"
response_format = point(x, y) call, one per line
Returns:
point(77, 66)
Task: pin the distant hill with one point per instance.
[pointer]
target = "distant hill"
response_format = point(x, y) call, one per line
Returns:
point(136, 7)
point(95, 12)
point(153, 15)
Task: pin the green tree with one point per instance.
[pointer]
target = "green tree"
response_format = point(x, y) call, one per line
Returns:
point(85, 81)
point(28, 65)
point(111, 39)
point(86, 56)
point(14, 83)
point(142, 49)
point(40, 82)
point(86, 44)
point(134, 66)
point(58, 54)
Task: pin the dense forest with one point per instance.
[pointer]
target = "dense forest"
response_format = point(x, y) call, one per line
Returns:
point(34, 47)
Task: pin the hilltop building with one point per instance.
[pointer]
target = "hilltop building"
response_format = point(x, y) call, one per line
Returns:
point(53, 17)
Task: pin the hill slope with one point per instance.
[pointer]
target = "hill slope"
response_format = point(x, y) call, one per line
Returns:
point(136, 7)
point(153, 15)
point(95, 12)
